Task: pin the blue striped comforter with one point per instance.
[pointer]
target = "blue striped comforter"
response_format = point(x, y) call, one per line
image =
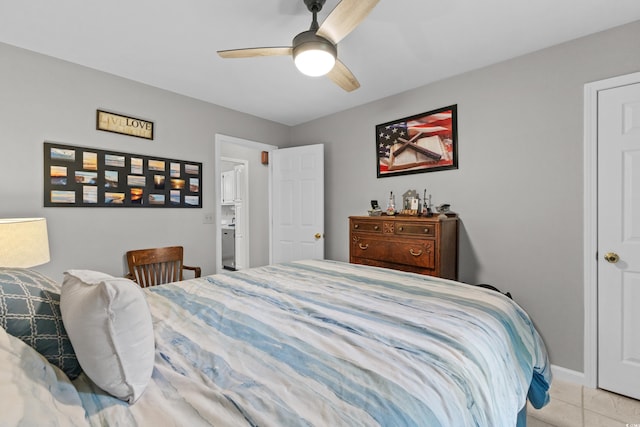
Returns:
point(323, 343)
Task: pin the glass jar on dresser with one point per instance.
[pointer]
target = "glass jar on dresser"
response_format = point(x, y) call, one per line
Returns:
point(424, 245)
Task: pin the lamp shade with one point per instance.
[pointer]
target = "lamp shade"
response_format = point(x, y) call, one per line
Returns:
point(24, 242)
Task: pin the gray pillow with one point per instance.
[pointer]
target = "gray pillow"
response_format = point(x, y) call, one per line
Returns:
point(30, 311)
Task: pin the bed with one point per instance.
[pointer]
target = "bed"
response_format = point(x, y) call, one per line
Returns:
point(307, 343)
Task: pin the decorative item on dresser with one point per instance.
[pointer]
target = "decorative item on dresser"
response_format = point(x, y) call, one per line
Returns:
point(416, 244)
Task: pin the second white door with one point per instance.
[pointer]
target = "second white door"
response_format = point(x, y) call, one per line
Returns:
point(619, 240)
point(297, 184)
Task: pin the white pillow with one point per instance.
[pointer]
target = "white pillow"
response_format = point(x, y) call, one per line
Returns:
point(109, 324)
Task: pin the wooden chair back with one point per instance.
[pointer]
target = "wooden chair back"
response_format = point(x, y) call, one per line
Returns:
point(156, 266)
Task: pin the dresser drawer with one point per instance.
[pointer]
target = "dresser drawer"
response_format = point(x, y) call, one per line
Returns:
point(368, 226)
point(419, 253)
point(415, 229)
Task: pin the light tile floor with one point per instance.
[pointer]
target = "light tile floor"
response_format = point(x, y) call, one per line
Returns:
point(573, 405)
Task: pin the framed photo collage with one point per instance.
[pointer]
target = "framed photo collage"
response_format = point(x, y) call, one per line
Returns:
point(89, 177)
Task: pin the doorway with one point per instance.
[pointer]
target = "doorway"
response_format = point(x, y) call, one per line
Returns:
point(235, 174)
point(593, 254)
point(256, 233)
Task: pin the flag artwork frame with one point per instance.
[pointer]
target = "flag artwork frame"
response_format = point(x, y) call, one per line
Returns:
point(425, 142)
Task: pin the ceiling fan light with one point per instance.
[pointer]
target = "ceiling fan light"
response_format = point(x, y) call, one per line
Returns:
point(314, 62)
point(312, 54)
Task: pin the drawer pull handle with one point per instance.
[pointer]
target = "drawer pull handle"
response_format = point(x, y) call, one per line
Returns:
point(356, 226)
point(376, 227)
point(400, 228)
point(415, 253)
point(426, 230)
point(363, 247)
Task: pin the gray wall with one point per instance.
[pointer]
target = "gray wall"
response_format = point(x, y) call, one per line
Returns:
point(42, 98)
point(519, 185)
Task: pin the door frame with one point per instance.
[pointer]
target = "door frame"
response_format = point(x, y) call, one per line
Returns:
point(590, 220)
point(219, 140)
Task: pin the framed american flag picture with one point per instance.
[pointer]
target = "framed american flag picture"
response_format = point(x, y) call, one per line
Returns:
point(425, 142)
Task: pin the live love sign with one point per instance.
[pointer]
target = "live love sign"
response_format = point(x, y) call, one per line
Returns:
point(131, 126)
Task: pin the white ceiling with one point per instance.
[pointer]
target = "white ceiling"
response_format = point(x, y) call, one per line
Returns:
point(401, 45)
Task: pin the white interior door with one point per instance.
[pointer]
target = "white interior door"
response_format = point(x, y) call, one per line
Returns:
point(619, 240)
point(297, 203)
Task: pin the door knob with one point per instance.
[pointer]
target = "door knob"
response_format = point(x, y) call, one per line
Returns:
point(611, 257)
point(317, 236)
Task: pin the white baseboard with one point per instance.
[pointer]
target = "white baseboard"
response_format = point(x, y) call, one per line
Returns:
point(568, 375)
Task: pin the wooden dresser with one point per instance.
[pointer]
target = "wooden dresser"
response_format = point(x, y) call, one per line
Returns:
point(420, 245)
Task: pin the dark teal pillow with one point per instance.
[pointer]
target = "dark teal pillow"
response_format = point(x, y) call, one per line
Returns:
point(30, 310)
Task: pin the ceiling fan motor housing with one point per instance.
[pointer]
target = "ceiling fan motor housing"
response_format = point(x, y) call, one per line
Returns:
point(310, 40)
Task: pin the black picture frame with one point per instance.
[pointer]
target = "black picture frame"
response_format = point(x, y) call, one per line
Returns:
point(425, 142)
point(77, 176)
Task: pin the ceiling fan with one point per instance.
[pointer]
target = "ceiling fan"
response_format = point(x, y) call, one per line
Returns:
point(315, 51)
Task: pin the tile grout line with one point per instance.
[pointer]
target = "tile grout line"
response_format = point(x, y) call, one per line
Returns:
point(582, 405)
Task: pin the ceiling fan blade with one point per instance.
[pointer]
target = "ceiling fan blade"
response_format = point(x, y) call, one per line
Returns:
point(255, 51)
point(341, 76)
point(346, 16)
